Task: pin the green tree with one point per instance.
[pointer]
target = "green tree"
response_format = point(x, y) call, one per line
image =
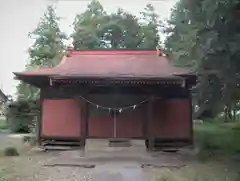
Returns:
point(46, 51)
point(87, 27)
point(150, 28)
point(221, 49)
point(96, 28)
point(183, 45)
point(48, 47)
point(204, 36)
point(182, 42)
point(121, 30)
point(131, 31)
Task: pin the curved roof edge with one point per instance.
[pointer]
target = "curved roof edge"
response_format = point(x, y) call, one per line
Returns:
point(109, 62)
point(3, 97)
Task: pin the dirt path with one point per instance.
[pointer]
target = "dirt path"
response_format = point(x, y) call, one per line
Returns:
point(107, 164)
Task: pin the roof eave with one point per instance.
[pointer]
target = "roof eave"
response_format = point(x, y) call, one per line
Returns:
point(3, 96)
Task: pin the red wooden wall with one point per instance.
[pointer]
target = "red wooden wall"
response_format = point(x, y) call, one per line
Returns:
point(130, 123)
point(60, 118)
point(171, 119)
point(100, 126)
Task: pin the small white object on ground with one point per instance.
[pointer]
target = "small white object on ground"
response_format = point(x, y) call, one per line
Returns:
point(82, 152)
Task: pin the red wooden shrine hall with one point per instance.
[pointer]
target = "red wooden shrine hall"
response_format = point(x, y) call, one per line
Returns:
point(114, 94)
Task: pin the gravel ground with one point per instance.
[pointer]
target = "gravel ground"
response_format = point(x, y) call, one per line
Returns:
point(104, 164)
point(110, 164)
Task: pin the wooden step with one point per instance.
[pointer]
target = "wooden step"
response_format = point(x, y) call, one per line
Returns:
point(56, 148)
point(63, 143)
point(119, 142)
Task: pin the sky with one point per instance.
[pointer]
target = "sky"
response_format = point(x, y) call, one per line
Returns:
point(18, 18)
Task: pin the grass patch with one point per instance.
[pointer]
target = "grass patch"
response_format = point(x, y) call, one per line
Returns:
point(13, 142)
point(196, 172)
point(192, 179)
point(11, 151)
point(184, 179)
point(218, 139)
point(14, 150)
point(3, 123)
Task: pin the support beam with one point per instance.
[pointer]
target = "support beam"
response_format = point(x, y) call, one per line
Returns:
point(87, 119)
point(115, 124)
point(39, 120)
point(149, 124)
point(144, 121)
point(191, 117)
point(83, 124)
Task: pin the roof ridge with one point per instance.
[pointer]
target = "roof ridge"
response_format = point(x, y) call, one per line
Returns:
point(72, 52)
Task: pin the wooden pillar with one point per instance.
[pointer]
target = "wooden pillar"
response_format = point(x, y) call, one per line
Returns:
point(115, 123)
point(83, 124)
point(191, 118)
point(38, 127)
point(39, 120)
point(144, 121)
point(87, 120)
point(149, 123)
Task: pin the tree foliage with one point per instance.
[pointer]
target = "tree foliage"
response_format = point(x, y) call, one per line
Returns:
point(97, 29)
point(48, 46)
point(46, 50)
point(149, 28)
point(204, 35)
